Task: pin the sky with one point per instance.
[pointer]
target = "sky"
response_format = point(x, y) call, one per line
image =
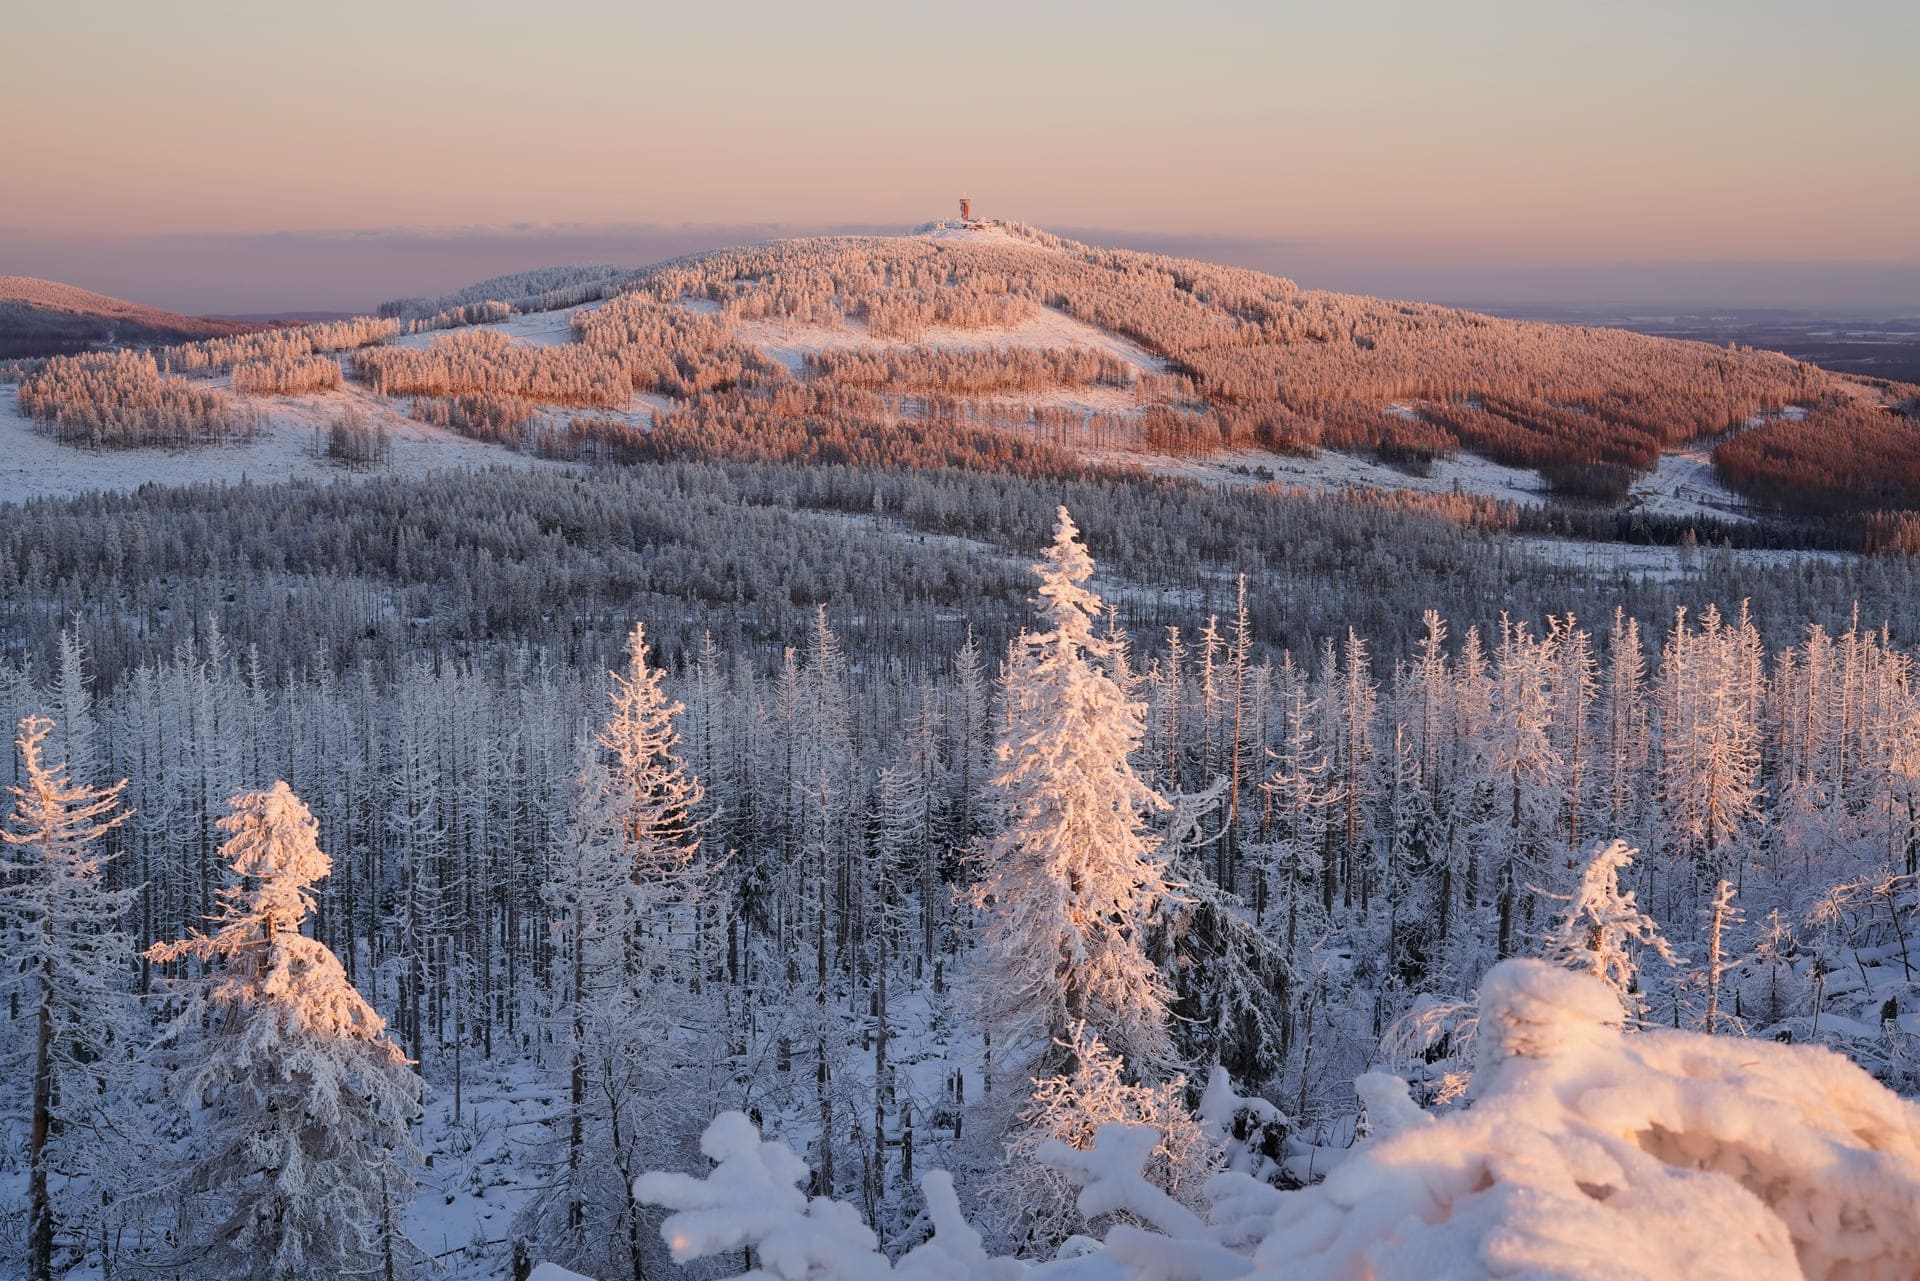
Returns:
point(210, 155)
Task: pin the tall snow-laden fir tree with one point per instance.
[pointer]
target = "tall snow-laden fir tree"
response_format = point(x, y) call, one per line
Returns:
point(1525, 771)
point(655, 801)
point(300, 1164)
point(1071, 877)
point(1710, 756)
point(620, 890)
point(66, 965)
point(656, 795)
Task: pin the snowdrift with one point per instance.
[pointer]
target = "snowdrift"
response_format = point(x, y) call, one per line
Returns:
point(1587, 1154)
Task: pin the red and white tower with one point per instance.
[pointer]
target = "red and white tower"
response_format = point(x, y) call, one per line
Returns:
point(966, 209)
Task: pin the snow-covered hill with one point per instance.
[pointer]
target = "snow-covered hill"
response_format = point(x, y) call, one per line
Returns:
point(44, 317)
point(1229, 376)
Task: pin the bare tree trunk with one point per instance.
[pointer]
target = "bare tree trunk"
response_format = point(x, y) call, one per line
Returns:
point(577, 1081)
point(880, 1083)
point(40, 1133)
point(623, 1160)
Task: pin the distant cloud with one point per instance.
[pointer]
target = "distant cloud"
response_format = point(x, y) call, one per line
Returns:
point(545, 232)
point(1488, 278)
point(352, 269)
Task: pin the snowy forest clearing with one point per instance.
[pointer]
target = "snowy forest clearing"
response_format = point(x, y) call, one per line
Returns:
point(791, 343)
point(1669, 564)
point(35, 466)
point(1328, 469)
point(478, 1182)
point(541, 328)
point(1684, 485)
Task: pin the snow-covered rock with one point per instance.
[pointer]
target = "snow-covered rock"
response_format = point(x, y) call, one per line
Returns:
point(553, 1272)
point(1595, 1153)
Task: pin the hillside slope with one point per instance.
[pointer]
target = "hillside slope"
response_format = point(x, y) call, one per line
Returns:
point(1250, 362)
point(47, 318)
point(998, 346)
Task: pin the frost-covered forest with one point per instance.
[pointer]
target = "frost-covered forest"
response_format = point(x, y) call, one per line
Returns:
point(812, 871)
point(836, 820)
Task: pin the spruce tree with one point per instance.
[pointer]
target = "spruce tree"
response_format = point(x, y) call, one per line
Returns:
point(621, 887)
point(301, 1162)
point(1603, 925)
point(1072, 876)
point(67, 964)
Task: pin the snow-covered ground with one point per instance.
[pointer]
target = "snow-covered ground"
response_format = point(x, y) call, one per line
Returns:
point(36, 466)
point(1331, 469)
point(486, 1165)
point(480, 1178)
point(791, 342)
point(1465, 473)
point(1589, 1153)
point(1684, 485)
point(984, 233)
point(541, 328)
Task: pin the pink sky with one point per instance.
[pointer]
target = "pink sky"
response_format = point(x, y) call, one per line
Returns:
point(1442, 137)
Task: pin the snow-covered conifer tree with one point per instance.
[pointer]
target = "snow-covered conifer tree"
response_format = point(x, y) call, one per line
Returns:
point(614, 886)
point(1626, 726)
point(1526, 772)
point(1357, 701)
point(657, 794)
point(972, 719)
point(605, 1024)
point(589, 888)
point(1604, 924)
point(1710, 756)
point(67, 964)
point(1574, 686)
point(1071, 876)
point(301, 1162)
point(1298, 809)
point(653, 795)
point(1231, 981)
